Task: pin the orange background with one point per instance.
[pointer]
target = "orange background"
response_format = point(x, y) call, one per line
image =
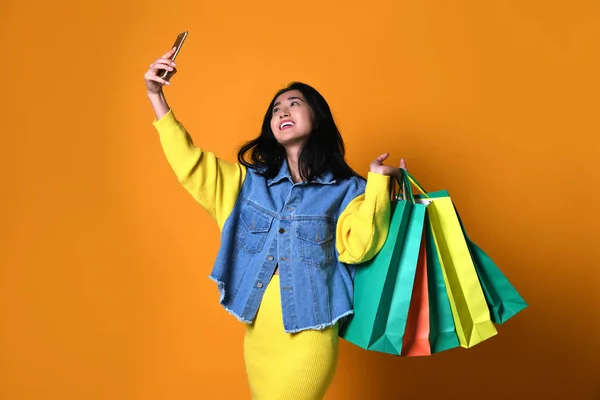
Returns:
point(104, 258)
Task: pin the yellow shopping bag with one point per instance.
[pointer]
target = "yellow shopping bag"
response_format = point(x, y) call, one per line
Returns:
point(470, 310)
point(469, 307)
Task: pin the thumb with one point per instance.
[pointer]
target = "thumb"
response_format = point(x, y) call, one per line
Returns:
point(169, 53)
point(402, 163)
point(383, 157)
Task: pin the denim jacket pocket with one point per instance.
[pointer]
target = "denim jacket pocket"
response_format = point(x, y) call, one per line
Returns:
point(253, 229)
point(315, 244)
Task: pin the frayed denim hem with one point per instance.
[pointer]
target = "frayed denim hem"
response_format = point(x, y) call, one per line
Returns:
point(221, 287)
point(321, 326)
point(318, 327)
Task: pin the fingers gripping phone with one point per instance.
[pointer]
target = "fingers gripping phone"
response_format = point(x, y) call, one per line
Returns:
point(177, 45)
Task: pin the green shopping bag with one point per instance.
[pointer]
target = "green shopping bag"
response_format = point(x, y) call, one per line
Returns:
point(383, 286)
point(442, 333)
point(503, 299)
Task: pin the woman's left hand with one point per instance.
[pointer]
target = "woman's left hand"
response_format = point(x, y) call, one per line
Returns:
point(378, 167)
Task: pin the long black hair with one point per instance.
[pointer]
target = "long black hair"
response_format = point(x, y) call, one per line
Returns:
point(324, 149)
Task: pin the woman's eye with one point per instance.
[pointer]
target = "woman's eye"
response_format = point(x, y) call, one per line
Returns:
point(275, 110)
point(295, 102)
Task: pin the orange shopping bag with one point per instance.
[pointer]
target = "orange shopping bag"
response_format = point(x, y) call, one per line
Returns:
point(416, 336)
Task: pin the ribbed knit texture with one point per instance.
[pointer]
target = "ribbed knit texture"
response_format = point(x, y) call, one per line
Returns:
point(282, 366)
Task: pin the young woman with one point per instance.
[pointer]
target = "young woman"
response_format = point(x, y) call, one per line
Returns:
point(295, 220)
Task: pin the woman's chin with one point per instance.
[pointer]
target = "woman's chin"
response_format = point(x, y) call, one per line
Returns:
point(290, 141)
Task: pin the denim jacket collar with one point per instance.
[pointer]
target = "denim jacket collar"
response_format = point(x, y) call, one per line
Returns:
point(325, 179)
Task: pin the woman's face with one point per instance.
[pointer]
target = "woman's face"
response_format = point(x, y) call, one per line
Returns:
point(292, 119)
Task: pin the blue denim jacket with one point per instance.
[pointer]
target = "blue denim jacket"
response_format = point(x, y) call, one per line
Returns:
point(276, 222)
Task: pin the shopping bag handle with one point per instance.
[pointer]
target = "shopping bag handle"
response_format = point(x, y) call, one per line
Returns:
point(406, 182)
point(404, 188)
point(415, 183)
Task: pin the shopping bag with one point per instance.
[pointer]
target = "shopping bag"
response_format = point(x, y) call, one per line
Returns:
point(442, 332)
point(383, 286)
point(471, 314)
point(472, 318)
point(416, 336)
point(503, 300)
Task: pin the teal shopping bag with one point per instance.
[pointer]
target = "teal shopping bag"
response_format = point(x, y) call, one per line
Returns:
point(442, 333)
point(504, 301)
point(383, 286)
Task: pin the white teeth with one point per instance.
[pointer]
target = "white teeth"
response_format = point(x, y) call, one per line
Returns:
point(287, 123)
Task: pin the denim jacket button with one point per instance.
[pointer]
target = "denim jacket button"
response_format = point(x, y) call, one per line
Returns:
point(259, 285)
point(270, 258)
point(281, 230)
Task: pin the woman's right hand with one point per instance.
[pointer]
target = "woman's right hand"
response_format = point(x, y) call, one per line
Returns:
point(154, 83)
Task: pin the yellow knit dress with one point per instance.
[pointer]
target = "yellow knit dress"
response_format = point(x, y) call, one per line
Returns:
point(282, 366)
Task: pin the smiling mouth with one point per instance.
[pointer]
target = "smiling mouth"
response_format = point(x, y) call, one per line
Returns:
point(285, 125)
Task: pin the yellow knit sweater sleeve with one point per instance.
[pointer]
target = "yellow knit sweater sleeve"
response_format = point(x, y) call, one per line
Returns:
point(212, 182)
point(364, 224)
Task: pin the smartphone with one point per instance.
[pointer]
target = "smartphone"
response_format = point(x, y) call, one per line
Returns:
point(177, 45)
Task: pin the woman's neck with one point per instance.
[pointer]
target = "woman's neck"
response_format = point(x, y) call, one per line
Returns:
point(292, 162)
